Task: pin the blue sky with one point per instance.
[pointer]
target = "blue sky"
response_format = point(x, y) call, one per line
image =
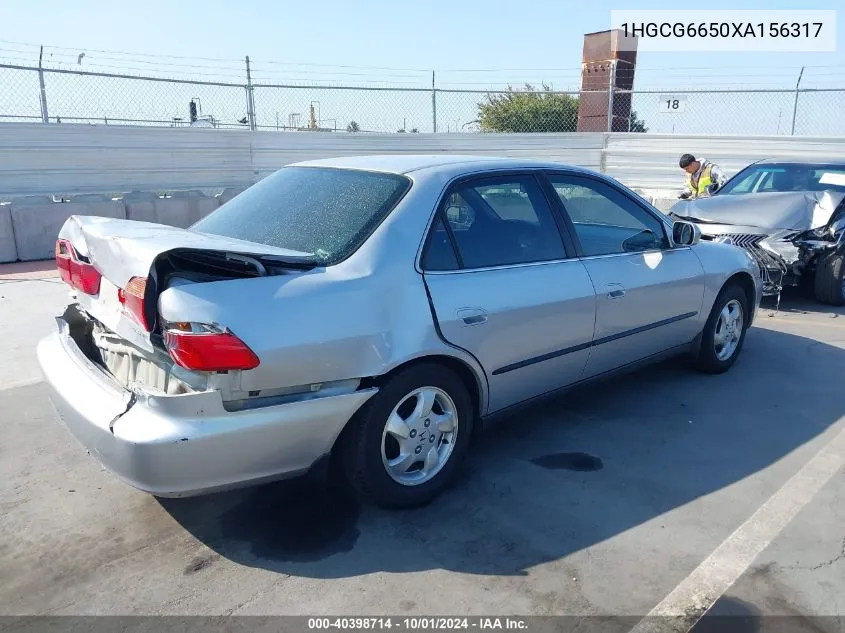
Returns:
point(470, 43)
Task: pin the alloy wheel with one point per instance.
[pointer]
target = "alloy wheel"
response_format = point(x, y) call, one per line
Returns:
point(419, 436)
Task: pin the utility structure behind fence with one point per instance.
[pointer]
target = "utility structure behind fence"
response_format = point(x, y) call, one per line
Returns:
point(52, 95)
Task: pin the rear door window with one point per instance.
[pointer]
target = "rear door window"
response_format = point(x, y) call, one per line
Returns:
point(439, 254)
point(501, 221)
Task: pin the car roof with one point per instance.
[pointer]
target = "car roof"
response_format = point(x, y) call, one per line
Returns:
point(830, 161)
point(408, 163)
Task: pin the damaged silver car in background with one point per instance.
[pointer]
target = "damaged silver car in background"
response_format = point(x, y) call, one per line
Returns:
point(789, 216)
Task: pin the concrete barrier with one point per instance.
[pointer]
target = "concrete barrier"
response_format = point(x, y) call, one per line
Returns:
point(229, 193)
point(36, 224)
point(8, 252)
point(162, 211)
point(183, 208)
point(29, 226)
point(141, 206)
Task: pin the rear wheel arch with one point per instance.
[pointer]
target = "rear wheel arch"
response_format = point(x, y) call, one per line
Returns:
point(468, 376)
point(355, 456)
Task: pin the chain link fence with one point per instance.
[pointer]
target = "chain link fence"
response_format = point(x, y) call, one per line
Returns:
point(19, 95)
point(114, 99)
point(70, 96)
point(341, 109)
point(806, 112)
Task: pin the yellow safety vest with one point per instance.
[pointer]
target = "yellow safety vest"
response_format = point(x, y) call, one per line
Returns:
point(704, 181)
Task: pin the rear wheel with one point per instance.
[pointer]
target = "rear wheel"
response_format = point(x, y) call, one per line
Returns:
point(409, 440)
point(724, 332)
point(829, 280)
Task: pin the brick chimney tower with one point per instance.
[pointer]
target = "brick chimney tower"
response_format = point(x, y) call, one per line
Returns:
point(604, 65)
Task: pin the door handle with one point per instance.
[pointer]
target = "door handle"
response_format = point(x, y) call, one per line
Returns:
point(472, 316)
point(615, 291)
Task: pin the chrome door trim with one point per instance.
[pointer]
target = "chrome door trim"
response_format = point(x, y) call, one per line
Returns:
point(607, 339)
point(674, 249)
point(462, 271)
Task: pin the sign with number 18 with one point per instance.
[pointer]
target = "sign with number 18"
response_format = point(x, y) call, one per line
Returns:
point(672, 104)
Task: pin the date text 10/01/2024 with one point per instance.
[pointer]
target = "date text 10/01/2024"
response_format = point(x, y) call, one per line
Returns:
point(417, 623)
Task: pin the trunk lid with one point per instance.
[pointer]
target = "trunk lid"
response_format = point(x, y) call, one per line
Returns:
point(125, 249)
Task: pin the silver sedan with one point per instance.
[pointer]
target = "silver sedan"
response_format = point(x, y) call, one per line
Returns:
point(372, 313)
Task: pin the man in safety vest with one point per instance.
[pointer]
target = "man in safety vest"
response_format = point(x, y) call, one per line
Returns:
point(703, 177)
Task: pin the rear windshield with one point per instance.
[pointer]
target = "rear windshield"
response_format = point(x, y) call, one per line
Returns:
point(324, 212)
point(779, 177)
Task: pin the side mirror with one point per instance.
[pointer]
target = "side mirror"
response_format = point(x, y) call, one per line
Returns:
point(642, 241)
point(685, 233)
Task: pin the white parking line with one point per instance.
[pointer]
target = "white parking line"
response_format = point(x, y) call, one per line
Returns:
point(691, 599)
point(823, 320)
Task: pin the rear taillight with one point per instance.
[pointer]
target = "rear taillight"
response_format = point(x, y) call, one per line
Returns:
point(201, 347)
point(64, 255)
point(81, 275)
point(132, 299)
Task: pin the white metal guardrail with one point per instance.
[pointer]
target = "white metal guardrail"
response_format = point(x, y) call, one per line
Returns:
point(651, 161)
point(38, 159)
point(70, 160)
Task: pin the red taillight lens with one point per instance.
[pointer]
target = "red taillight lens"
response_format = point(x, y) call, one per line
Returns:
point(209, 351)
point(81, 275)
point(86, 278)
point(132, 298)
point(64, 253)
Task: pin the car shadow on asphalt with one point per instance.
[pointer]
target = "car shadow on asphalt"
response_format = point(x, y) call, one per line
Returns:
point(552, 479)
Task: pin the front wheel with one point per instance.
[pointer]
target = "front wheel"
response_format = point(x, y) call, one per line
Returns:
point(829, 280)
point(724, 332)
point(409, 440)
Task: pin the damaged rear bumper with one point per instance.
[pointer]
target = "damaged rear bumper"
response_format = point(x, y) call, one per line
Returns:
point(186, 444)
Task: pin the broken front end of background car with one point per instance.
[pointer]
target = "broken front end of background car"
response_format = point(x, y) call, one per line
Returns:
point(796, 238)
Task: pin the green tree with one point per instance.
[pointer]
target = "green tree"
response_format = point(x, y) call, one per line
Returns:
point(353, 127)
point(637, 124)
point(528, 110)
point(531, 110)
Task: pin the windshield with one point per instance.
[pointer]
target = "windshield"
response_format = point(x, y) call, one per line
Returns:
point(780, 177)
point(325, 212)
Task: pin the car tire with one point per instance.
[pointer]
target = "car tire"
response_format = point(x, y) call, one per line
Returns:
point(829, 280)
point(370, 447)
point(713, 357)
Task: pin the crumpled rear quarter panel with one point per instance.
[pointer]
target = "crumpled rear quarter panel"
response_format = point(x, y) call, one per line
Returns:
point(315, 327)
